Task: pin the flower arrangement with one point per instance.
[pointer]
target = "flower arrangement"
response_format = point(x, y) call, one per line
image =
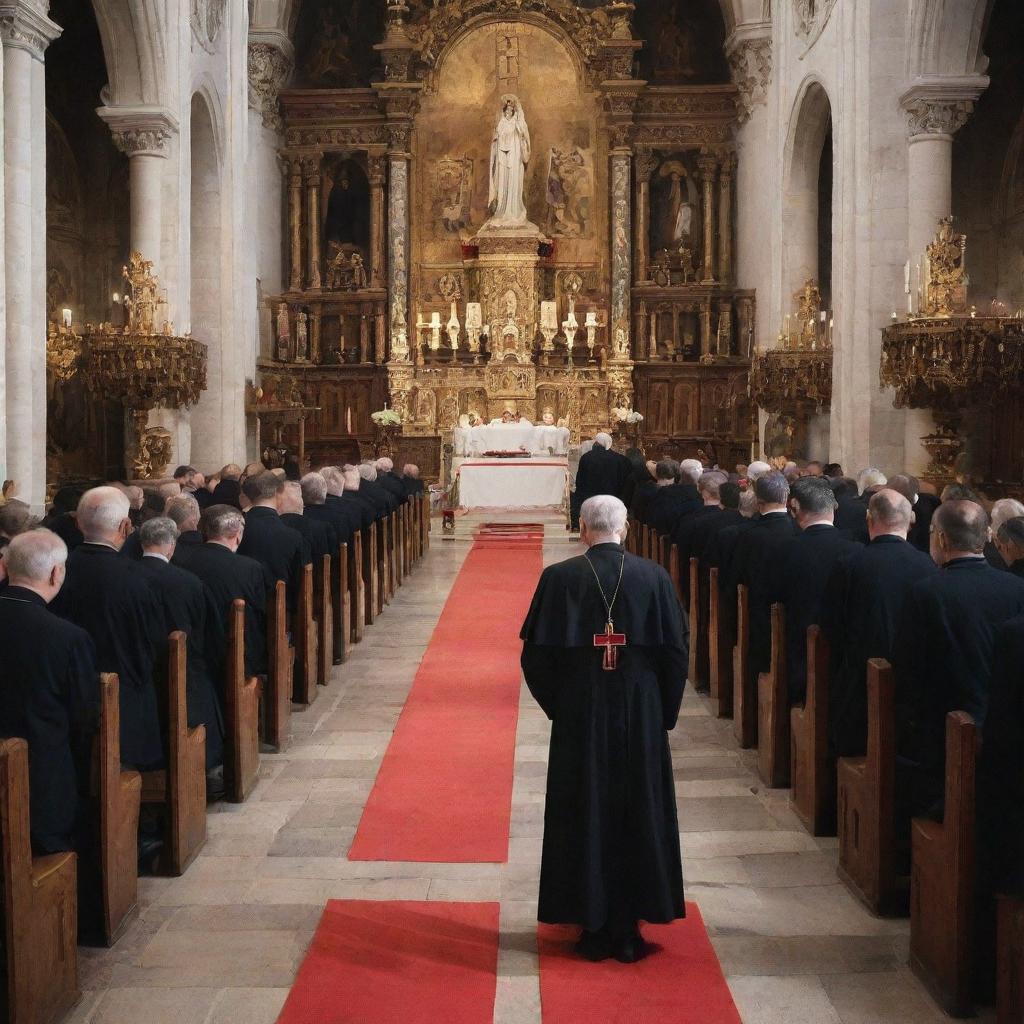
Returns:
point(624, 415)
point(386, 418)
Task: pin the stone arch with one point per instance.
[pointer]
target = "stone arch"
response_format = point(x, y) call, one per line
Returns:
point(945, 37)
point(135, 48)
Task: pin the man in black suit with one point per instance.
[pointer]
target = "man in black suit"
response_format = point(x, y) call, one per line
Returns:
point(710, 523)
point(602, 470)
point(111, 600)
point(152, 506)
point(227, 577)
point(800, 571)
point(755, 551)
point(187, 607)
point(281, 552)
point(50, 693)
point(336, 515)
point(384, 502)
point(184, 510)
point(320, 536)
point(391, 481)
point(861, 608)
point(942, 655)
point(677, 497)
point(228, 490)
point(923, 506)
point(411, 479)
point(1010, 542)
point(709, 487)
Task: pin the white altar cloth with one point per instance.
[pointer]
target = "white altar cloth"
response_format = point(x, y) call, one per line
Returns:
point(510, 437)
point(512, 483)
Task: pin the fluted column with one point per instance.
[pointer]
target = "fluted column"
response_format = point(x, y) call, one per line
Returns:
point(708, 166)
point(25, 34)
point(294, 166)
point(725, 219)
point(378, 174)
point(645, 166)
point(311, 174)
point(936, 110)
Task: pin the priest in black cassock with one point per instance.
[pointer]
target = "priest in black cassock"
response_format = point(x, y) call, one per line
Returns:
point(605, 653)
point(602, 470)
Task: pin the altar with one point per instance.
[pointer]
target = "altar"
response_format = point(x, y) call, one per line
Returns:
point(524, 436)
point(522, 483)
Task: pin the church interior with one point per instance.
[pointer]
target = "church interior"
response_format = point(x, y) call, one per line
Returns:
point(427, 262)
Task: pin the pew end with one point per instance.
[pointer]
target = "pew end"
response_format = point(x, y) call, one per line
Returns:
point(280, 655)
point(744, 686)
point(719, 650)
point(242, 754)
point(773, 738)
point(1010, 960)
point(304, 630)
point(324, 615)
point(812, 774)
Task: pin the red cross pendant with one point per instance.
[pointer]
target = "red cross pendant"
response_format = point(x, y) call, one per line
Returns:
point(611, 642)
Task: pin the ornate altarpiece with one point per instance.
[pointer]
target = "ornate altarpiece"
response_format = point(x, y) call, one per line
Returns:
point(629, 184)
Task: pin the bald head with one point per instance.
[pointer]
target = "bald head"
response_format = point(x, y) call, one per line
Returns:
point(889, 514)
point(35, 560)
point(906, 485)
point(103, 516)
point(291, 499)
point(959, 530)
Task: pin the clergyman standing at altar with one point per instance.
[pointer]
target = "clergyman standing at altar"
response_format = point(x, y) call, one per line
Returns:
point(605, 654)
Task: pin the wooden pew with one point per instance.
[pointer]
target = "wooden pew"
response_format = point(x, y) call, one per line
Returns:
point(773, 740)
point(341, 601)
point(357, 586)
point(699, 671)
point(867, 794)
point(180, 787)
point(424, 523)
point(942, 879)
point(119, 795)
point(720, 644)
point(744, 695)
point(398, 557)
point(1010, 961)
point(277, 708)
point(38, 907)
point(677, 583)
point(812, 774)
point(386, 563)
point(370, 575)
point(304, 630)
point(242, 714)
point(323, 614)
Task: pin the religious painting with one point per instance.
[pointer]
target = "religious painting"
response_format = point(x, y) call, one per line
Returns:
point(451, 194)
point(334, 43)
point(676, 225)
point(348, 207)
point(685, 42)
point(569, 191)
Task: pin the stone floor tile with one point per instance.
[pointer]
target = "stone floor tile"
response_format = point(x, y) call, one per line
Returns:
point(890, 996)
point(155, 1006)
point(794, 1000)
point(248, 1006)
point(803, 954)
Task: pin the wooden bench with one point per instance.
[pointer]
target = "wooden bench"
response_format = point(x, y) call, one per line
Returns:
point(1010, 961)
point(673, 572)
point(371, 575)
point(341, 605)
point(866, 812)
point(38, 905)
point(942, 879)
point(699, 672)
point(323, 613)
point(180, 788)
point(242, 714)
point(398, 555)
point(304, 630)
point(744, 697)
point(119, 795)
point(277, 708)
point(424, 523)
point(384, 562)
point(357, 587)
point(812, 774)
point(773, 739)
point(720, 644)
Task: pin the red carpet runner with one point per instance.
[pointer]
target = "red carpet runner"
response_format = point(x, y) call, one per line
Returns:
point(377, 962)
point(682, 983)
point(444, 790)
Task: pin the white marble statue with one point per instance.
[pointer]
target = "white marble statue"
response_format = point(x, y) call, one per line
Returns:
point(510, 153)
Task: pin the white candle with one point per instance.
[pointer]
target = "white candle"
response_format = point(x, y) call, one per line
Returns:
point(435, 319)
point(66, 314)
point(348, 419)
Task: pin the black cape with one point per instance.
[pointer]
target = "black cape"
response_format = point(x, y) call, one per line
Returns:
point(112, 601)
point(611, 834)
point(50, 698)
point(942, 659)
point(860, 611)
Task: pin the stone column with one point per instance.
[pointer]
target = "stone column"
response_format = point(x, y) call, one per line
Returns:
point(725, 219)
point(936, 110)
point(645, 167)
point(708, 166)
point(378, 261)
point(622, 257)
point(311, 173)
point(25, 34)
point(295, 222)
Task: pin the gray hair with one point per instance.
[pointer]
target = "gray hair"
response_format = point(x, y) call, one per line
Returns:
point(603, 439)
point(158, 532)
point(385, 465)
point(334, 478)
point(814, 495)
point(33, 555)
point(1005, 509)
point(1011, 531)
point(772, 489)
point(314, 488)
point(604, 514)
point(748, 504)
point(411, 469)
point(691, 469)
point(711, 483)
point(870, 477)
point(16, 517)
point(183, 509)
point(667, 469)
point(757, 469)
point(222, 521)
point(368, 471)
point(101, 511)
point(291, 497)
point(891, 509)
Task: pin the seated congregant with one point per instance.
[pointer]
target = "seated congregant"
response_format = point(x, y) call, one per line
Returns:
point(942, 654)
point(15, 517)
point(1010, 541)
point(677, 496)
point(383, 501)
point(390, 480)
point(185, 512)
point(315, 507)
point(319, 536)
point(411, 479)
point(228, 490)
point(923, 505)
point(1002, 510)
point(710, 489)
point(861, 608)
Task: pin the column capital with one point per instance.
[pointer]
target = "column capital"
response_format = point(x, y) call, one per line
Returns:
point(140, 130)
point(270, 62)
point(25, 26)
point(707, 164)
point(940, 107)
point(749, 52)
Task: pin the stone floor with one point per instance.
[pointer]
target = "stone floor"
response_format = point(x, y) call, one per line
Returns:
point(221, 945)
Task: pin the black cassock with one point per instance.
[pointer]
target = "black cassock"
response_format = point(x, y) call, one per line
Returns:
point(50, 698)
point(281, 552)
point(112, 601)
point(671, 505)
point(187, 606)
point(942, 661)
point(611, 834)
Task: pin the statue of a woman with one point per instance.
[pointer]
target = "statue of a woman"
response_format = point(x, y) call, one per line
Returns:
point(510, 153)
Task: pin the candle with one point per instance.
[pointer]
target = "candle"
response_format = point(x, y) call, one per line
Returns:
point(66, 315)
point(591, 320)
point(348, 419)
point(824, 316)
point(435, 319)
